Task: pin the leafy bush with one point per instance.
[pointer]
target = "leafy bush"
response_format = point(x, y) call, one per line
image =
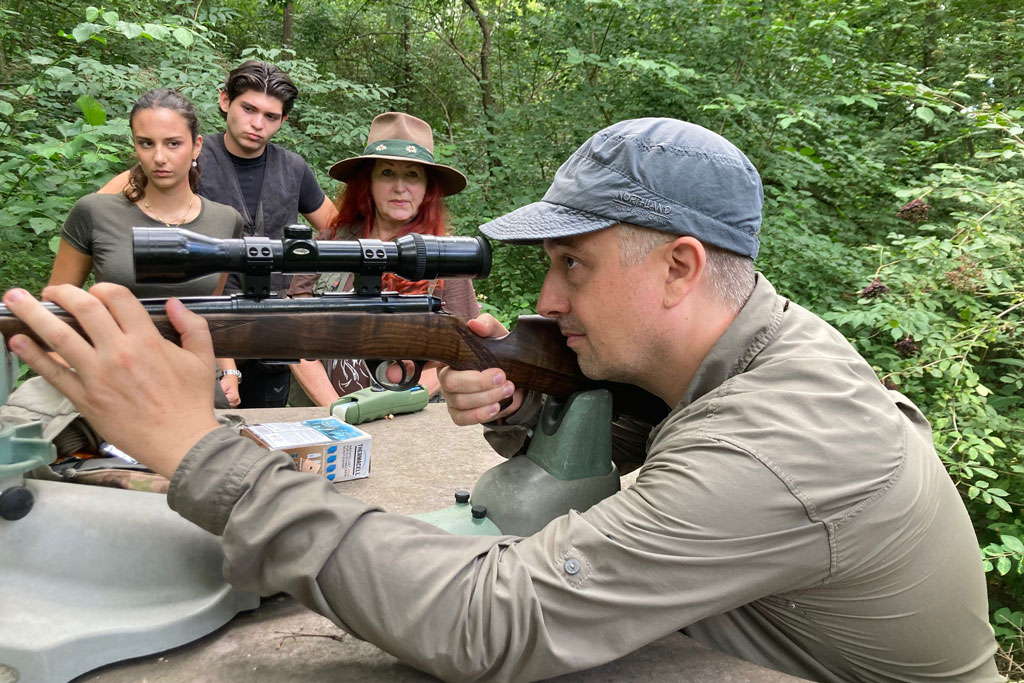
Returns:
point(941, 318)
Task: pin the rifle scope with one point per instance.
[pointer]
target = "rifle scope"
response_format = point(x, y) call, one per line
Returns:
point(176, 255)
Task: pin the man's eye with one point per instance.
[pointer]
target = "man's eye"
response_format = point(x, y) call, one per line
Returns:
point(570, 262)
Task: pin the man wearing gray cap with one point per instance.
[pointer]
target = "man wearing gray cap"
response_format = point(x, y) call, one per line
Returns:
point(789, 510)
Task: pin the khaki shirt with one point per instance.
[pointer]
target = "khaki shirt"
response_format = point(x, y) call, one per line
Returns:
point(791, 511)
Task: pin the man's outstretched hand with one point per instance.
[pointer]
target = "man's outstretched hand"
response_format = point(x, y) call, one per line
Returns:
point(146, 395)
point(474, 396)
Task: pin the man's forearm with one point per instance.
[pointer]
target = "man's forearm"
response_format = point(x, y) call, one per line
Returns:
point(313, 379)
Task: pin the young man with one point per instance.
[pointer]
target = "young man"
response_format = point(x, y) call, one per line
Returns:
point(790, 511)
point(266, 183)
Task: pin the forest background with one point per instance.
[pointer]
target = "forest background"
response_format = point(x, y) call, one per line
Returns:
point(888, 134)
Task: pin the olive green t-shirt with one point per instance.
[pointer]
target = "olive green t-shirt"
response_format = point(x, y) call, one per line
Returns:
point(100, 225)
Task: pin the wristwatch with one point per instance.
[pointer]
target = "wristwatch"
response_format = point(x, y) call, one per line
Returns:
point(236, 373)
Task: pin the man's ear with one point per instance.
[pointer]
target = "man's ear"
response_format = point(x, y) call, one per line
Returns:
point(685, 258)
point(224, 102)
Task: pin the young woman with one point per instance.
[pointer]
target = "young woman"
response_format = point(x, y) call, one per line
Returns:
point(394, 188)
point(96, 237)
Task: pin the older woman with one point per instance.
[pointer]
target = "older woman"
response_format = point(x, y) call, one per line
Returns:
point(393, 188)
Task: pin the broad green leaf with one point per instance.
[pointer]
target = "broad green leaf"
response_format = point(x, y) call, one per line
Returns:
point(91, 13)
point(92, 110)
point(925, 114)
point(1004, 615)
point(1003, 565)
point(59, 73)
point(41, 225)
point(83, 32)
point(155, 31)
point(1012, 543)
point(183, 36)
point(868, 101)
point(5, 108)
point(111, 18)
point(129, 30)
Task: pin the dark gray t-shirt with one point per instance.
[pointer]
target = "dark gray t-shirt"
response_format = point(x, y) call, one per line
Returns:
point(250, 173)
point(100, 225)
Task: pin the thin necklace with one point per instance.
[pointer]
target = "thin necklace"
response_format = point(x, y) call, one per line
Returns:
point(181, 219)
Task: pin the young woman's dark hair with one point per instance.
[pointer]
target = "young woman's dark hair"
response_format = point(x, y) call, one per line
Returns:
point(162, 98)
point(261, 77)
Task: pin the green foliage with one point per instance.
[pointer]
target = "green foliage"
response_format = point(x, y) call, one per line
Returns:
point(64, 129)
point(848, 110)
point(948, 332)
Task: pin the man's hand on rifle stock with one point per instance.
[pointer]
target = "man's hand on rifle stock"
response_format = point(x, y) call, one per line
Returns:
point(475, 397)
point(148, 396)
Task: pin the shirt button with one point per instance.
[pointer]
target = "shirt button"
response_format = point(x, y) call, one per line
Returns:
point(572, 566)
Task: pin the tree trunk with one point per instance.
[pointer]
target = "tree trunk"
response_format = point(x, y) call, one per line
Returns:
point(484, 80)
point(407, 76)
point(286, 25)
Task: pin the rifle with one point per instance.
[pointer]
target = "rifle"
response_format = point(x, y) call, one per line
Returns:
point(368, 323)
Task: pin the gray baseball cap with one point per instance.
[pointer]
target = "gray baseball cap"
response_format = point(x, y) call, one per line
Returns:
point(664, 174)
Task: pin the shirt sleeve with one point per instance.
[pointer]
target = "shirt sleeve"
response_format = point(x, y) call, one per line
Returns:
point(311, 196)
point(302, 283)
point(459, 298)
point(77, 229)
point(686, 541)
point(239, 230)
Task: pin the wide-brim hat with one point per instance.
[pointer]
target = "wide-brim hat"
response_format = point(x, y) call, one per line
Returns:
point(401, 137)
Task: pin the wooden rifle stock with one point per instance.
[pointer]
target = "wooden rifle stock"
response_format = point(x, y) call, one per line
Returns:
point(534, 355)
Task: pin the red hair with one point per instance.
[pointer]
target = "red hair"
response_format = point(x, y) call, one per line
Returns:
point(356, 212)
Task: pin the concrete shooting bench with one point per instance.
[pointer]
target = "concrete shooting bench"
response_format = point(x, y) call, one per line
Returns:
point(418, 461)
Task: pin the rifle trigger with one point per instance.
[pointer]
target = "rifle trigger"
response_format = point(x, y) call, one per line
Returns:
point(379, 371)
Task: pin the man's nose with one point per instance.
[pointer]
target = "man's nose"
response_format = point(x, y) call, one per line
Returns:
point(552, 301)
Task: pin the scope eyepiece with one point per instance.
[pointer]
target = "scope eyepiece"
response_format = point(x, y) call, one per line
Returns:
point(177, 255)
